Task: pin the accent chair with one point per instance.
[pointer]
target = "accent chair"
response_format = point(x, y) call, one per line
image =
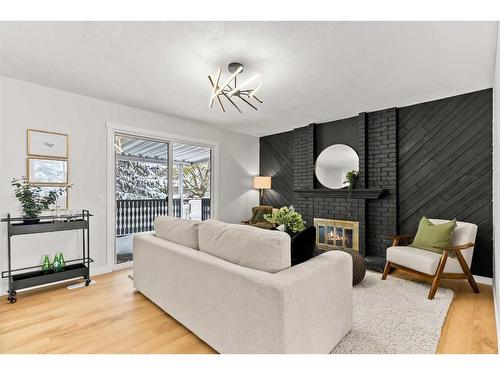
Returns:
point(453, 263)
point(257, 219)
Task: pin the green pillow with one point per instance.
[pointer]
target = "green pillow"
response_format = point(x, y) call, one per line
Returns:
point(430, 235)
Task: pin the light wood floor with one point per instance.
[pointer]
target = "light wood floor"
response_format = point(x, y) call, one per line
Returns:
point(111, 317)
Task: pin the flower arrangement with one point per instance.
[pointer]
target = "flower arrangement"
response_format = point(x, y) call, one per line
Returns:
point(351, 178)
point(287, 219)
point(31, 199)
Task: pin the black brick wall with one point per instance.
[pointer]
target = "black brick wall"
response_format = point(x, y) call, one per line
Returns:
point(382, 213)
point(381, 172)
point(303, 157)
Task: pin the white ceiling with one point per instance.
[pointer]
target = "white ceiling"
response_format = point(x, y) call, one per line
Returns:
point(310, 71)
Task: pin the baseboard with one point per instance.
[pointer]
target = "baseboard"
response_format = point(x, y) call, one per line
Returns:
point(496, 306)
point(99, 270)
point(483, 280)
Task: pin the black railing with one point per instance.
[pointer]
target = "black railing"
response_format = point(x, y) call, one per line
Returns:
point(137, 215)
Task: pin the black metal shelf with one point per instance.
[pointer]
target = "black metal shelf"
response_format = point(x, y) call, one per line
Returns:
point(34, 276)
point(45, 227)
point(17, 271)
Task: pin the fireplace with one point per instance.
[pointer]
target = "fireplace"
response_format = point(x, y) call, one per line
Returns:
point(334, 234)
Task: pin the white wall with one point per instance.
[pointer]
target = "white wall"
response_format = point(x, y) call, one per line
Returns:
point(24, 105)
point(496, 185)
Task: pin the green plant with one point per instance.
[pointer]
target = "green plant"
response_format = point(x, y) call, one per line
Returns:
point(287, 217)
point(32, 201)
point(351, 178)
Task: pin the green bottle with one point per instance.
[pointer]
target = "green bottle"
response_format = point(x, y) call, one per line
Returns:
point(62, 262)
point(46, 266)
point(56, 265)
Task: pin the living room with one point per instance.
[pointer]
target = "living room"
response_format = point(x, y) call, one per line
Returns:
point(249, 187)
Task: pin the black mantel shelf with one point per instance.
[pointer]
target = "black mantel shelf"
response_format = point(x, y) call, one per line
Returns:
point(355, 193)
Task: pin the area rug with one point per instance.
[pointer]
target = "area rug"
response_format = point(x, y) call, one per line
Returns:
point(394, 316)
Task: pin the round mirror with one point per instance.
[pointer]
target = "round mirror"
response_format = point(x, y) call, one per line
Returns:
point(333, 164)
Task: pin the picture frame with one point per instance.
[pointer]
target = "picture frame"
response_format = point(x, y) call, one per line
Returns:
point(62, 202)
point(43, 143)
point(47, 172)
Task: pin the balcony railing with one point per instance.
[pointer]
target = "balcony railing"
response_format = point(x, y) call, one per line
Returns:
point(137, 215)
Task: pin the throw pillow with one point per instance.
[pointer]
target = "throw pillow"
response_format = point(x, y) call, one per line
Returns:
point(430, 235)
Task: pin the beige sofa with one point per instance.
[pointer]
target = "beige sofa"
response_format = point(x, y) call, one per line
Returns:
point(232, 285)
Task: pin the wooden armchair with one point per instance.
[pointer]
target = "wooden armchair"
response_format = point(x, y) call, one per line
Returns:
point(257, 219)
point(453, 263)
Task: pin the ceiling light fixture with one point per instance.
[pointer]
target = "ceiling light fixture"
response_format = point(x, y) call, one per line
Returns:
point(229, 89)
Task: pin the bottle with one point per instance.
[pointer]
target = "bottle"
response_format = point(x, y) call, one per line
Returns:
point(62, 262)
point(56, 265)
point(46, 266)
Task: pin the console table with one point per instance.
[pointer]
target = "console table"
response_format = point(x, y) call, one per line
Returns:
point(28, 277)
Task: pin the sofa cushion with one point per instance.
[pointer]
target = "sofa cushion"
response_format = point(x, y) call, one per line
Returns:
point(261, 249)
point(181, 231)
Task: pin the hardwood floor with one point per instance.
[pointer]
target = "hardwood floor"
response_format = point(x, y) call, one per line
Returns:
point(111, 317)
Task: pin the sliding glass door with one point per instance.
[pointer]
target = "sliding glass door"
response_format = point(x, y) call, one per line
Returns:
point(191, 181)
point(141, 189)
point(157, 177)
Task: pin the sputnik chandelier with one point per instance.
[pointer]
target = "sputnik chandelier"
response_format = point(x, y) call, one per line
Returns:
point(230, 90)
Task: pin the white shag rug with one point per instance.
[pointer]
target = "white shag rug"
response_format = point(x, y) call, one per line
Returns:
point(394, 316)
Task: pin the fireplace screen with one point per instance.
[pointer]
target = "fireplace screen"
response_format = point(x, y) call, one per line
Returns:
point(337, 234)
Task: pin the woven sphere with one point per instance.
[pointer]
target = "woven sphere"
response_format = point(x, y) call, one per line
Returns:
point(358, 266)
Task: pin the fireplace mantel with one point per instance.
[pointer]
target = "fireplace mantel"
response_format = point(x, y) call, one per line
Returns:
point(355, 193)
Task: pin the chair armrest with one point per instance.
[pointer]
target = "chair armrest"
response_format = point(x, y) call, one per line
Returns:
point(398, 237)
point(457, 247)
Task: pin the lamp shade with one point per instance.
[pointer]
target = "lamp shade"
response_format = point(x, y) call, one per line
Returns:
point(260, 182)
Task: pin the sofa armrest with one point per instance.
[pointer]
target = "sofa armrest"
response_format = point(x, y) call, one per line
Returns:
point(317, 302)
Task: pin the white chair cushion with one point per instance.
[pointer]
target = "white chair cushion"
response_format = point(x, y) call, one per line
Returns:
point(261, 249)
point(416, 259)
point(421, 260)
point(180, 231)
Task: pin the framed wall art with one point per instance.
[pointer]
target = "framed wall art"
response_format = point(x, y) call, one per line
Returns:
point(43, 143)
point(51, 172)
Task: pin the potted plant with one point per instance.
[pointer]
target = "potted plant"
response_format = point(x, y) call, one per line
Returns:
point(31, 199)
point(287, 219)
point(351, 178)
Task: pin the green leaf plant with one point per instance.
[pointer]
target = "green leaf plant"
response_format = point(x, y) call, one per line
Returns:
point(31, 199)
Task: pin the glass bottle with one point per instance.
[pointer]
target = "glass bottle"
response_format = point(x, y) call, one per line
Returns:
point(46, 266)
point(62, 262)
point(56, 265)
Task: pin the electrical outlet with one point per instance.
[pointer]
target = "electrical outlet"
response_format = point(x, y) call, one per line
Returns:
point(99, 200)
